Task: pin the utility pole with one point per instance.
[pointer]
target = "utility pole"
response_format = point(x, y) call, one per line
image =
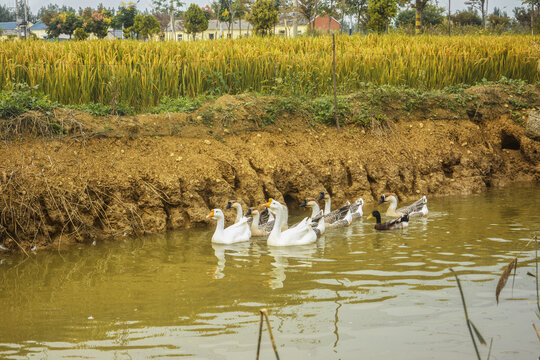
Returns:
point(449, 20)
point(25, 19)
point(172, 21)
point(17, 18)
point(295, 20)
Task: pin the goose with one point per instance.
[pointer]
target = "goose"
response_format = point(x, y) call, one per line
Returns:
point(332, 218)
point(239, 213)
point(356, 209)
point(418, 208)
point(317, 216)
point(399, 223)
point(235, 233)
point(257, 228)
point(301, 234)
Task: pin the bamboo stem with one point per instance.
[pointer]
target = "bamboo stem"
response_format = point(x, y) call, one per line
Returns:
point(265, 312)
point(466, 314)
point(260, 335)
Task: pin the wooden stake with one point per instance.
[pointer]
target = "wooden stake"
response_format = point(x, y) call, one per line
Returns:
point(334, 76)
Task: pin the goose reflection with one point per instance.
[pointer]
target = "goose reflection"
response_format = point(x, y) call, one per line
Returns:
point(282, 254)
point(238, 249)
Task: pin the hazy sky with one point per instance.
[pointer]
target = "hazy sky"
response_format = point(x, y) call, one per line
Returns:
point(506, 5)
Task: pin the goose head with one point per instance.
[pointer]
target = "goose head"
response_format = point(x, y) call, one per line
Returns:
point(273, 206)
point(309, 202)
point(252, 212)
point(387, 197)
point(233, 204)
point(215, 214)
point(323, 195)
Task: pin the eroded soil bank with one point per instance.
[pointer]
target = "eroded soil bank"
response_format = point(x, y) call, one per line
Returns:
point(122, 176)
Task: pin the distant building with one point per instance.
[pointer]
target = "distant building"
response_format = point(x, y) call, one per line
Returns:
point(322, 24)
point(9, 29)
point(220, 30)
point(39, 29)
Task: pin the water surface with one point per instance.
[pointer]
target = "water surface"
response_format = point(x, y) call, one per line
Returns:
point(354, 294)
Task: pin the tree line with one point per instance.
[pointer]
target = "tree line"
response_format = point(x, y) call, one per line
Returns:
point(354, 16)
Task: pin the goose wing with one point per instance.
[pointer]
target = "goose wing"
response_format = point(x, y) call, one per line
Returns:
point(414, 207)
point(337, 214)
point(264, 217)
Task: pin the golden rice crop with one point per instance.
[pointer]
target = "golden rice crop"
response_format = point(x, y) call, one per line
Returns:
point(140, 73)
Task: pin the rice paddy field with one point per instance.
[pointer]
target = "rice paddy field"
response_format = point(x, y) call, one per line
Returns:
point(139, 74)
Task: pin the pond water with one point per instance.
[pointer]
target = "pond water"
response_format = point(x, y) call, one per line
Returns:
point(354, 294)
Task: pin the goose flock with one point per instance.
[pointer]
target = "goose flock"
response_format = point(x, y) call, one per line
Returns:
point(271, 220)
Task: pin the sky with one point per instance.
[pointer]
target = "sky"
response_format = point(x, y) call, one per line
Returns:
point(506, 5)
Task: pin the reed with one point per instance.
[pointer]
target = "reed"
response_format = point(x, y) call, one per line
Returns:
point(139, 74)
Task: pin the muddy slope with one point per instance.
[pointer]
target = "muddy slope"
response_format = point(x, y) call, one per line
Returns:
point(158, 172)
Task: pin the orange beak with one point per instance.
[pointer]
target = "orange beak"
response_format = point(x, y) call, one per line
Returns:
point(211, 215)
point(267, 205)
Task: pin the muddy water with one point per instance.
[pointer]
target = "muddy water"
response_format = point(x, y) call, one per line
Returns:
point(354, 294)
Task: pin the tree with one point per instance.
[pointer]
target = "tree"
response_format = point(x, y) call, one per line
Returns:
point(359, 9)
point(380, 12)
point(225, 13)
point(97, 23)
point(145, 26)
point(239, 11)
point(71, 23)
point(532, 4)
point(6, 14)
point(308, 8)
point(80, 34)
point(263, 16)
point(467, 17)
point(432, 15)
point(125, 17)
point(195, 21)
point(479, 5)
point(64, 23)
point(168, 6)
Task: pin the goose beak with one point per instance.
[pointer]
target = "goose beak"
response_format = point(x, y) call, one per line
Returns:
point(321, 196)
point(228, 205)
point(381, 201)
point(303, 204)
point(248, 212)
point(211, 215)
point(267, 205)
point(370, 216)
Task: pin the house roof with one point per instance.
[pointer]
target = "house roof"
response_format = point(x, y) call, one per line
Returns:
point(10, 25)
point(38, 26)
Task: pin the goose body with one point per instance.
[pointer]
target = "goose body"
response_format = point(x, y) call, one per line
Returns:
point(399, 223)
point(416, 209)
point(332, 218)
point(356, 209)
point(235, 233)
point(257, 227)
point(301, 234)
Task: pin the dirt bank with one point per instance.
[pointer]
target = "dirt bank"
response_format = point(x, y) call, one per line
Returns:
point(121, 176)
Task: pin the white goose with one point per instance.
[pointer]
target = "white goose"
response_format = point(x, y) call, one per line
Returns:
point(233, 234)
point(301, 234)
